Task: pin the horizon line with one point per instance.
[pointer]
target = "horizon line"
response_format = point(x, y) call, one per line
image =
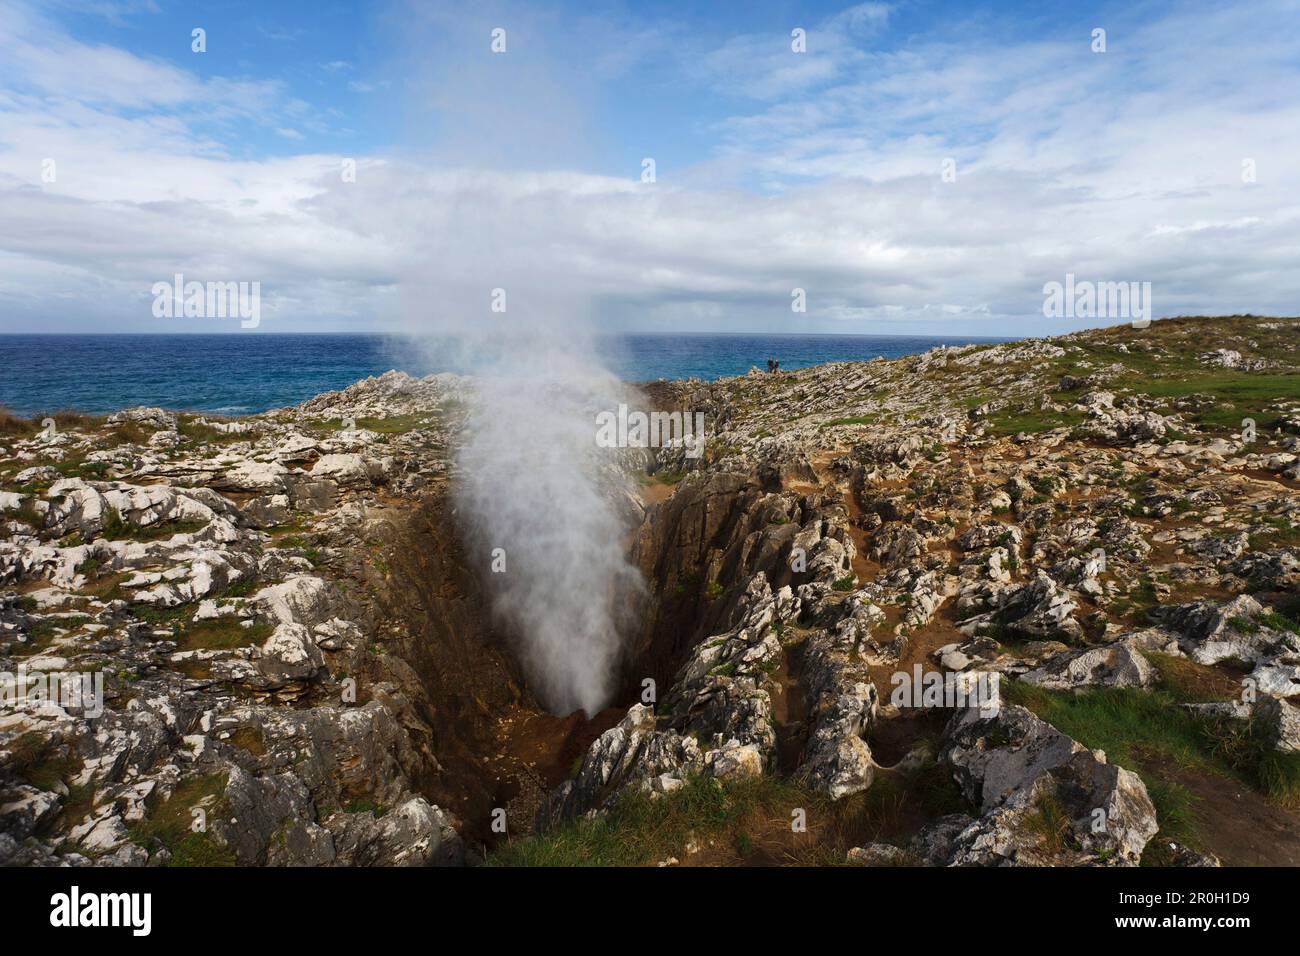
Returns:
point(233, 334)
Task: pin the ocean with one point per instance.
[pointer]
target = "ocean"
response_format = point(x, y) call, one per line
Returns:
point(244, 374)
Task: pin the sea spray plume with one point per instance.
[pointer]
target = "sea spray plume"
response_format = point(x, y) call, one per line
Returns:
point(507, 133)
point(531, 485)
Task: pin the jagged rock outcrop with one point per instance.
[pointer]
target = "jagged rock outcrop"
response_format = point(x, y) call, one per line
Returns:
point(1042, 797)
point(838, 760)
point(1120, 664)
point(143, 574)
point(1039, 609)
point(634, 755)
point(1210, 633)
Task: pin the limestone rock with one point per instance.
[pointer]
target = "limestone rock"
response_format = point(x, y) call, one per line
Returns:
point(1043, 797)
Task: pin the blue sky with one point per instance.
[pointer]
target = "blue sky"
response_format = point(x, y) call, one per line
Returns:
point(335, 61)
point(774, 169)
point(321, 55)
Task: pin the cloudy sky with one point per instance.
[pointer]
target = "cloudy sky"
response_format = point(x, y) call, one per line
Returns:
point(1173, 157)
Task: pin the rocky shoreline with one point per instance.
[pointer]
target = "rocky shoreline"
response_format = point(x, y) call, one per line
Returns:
point(297, 671)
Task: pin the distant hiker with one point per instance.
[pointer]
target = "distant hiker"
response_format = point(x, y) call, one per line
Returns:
point(771, 366)
point(776, 365)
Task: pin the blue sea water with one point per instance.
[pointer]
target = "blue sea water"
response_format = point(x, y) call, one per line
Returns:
point(243, 374)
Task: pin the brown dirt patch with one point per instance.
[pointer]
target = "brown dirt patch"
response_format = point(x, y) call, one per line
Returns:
point(1238, 825)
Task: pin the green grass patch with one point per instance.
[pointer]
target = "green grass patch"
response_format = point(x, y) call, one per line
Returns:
point(1051, 821)
point(1235, 396)
point(1009, 422)
point(34, 758)
point(1189, 682)
point(363, 805)
point(27, 514)
point(170, 823)
point(42, 632)
point(77, 804)
point(1274, 531)
point(1124, 722)
point(641, 830)
point(115, 529)
point(1179, 821)
point(1279, 622)
point(752, 817)
point(1247, 747)
point(222, 633)
point(86, 470)
point(242, 588)
point(128, 433)
point(160, 617)
point(394, 425)
point(1139, 600)
point(1128, 724)
point(295, 525)
point(202, 433)
point(15, 426)
point(48, 626)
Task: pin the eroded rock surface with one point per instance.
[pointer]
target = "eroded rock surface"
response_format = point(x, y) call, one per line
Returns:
point(1022, 509)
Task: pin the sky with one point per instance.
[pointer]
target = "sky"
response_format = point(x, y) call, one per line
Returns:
point(920, 167)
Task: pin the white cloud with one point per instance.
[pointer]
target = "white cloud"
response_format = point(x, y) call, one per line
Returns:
point(1120, 166)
